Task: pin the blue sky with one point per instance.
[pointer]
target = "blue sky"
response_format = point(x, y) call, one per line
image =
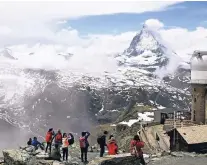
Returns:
point(95, 17)
point(186, 15)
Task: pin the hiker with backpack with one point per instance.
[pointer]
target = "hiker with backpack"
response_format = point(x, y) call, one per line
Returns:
point(65, 146)
point(48, 139)
point(136, 146)
point(102, 143)
point(58, 138)
point(84, 144)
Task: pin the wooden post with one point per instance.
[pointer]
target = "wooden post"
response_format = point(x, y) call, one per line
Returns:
point(174, 129)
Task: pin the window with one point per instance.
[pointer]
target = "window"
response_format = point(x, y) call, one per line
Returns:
point(194, 99)
point(194, 89)
point(194, 116)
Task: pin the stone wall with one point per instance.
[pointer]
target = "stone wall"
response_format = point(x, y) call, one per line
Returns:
point(198, 104)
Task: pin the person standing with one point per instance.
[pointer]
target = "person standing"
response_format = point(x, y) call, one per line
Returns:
point(84, 144)
point(58, 138)
point(102, 143)
point(48, 139)
point(136, 146)
point(65, 145)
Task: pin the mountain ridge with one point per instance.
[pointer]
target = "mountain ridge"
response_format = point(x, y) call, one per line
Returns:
point(38, 98)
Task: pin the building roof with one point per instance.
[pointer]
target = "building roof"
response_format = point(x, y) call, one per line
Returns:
point(194, 134)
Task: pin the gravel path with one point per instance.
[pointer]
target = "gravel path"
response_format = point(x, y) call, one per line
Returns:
point(169, 160)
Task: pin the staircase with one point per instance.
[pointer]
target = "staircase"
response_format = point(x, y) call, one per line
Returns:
point(153, 146)
point(164, 143)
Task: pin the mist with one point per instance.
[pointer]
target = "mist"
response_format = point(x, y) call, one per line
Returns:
point(11, 137)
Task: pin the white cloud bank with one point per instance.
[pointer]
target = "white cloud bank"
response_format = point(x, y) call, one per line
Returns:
point(33, 27)
point(48, 11)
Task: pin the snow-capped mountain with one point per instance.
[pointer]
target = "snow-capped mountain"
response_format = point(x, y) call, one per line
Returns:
point(36, 99)
point(146, 50)
point(6, 53)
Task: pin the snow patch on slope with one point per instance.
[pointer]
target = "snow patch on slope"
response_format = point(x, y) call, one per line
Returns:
point(146, 117)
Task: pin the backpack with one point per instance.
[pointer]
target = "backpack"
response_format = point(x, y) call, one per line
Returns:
point(48, 137)
point(82, 141)
point(136, 150)
point(58, 137)
point(71, 140)
point(99, 139)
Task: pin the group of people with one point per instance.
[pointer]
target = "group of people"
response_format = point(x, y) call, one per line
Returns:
point(136, 146)
point(111, 144)
point(60, 140)
point(65, 140)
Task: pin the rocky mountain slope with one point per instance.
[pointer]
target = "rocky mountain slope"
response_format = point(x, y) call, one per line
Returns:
point(36, 99)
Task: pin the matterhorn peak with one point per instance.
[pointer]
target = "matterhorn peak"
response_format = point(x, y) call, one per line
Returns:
point(146, 50)
point(145, 28)
point(145, 40)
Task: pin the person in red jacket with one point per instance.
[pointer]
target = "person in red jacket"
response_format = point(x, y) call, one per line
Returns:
point(112, 146)
point(136, 146)
point(58, 138)
point(84, 144)
point(48, 139)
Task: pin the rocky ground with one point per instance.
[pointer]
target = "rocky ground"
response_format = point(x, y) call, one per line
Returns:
point(20, 157)
point(180, 159)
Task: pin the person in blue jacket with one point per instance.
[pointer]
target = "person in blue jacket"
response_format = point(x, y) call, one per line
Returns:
point(36, 143)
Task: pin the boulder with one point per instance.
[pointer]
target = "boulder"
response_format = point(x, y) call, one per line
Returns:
point(16, 157)
point(121, 159)
point(1, 161)
point(29, 157)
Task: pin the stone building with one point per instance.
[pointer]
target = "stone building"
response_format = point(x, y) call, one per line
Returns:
point(189, 139)
point(199, 87)
point(162, 115)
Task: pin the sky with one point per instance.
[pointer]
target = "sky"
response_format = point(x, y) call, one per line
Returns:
point(96, 30)
point(176, 15)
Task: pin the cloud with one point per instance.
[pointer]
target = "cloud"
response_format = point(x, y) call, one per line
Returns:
point(31, 22)
point(47, 11)
point(181, 40)
point(154, 24)
point(93, 54)
point(184, 41)
point(36, 27)
point(90, 50)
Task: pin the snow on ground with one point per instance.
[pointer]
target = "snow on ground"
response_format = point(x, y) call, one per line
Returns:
point(161, 107)
point(114, 110)
point(139, 104)
point(102, 109)
point(145, 116)
point(145, 58)
point(174, 97)
point(130, 122)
